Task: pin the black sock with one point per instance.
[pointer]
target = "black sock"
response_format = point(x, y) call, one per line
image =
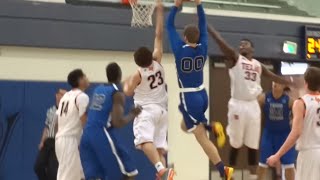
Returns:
point(220, 167)
point(208, 127)
point(233, 156)
point(252, 157)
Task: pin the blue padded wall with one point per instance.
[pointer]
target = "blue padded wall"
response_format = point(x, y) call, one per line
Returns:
point(23, 108)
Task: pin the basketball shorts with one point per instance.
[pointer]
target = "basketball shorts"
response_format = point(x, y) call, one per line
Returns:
point(102, 155)
point(67, 151)
point(271, 142)
point(151, 125)
point(244, 121)
point(193, 106)
point(308, 165)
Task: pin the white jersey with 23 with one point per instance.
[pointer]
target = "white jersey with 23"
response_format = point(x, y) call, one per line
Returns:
point(152, 88)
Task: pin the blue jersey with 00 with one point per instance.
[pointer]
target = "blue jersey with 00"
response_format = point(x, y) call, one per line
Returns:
point(101, 106)
point(277, 113)
point(189, 60)
point(189, 64)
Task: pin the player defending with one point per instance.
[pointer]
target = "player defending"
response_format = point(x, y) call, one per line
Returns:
point(99, 148)
point(149, 89)
point(305, 130)
point(71, 118)
point(276, 107)
point(190, 56)
point(244, 114)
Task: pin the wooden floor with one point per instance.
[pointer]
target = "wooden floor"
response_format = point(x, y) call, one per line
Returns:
point(238, 175)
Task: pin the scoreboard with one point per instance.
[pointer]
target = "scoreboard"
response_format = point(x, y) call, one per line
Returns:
point(312, 40)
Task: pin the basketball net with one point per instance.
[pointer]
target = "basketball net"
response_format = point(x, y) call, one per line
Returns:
point(142, 13)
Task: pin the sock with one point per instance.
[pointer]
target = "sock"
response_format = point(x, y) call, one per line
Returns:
point(159, 166)
point(233, 156)
point(220, 167)
point(208, 127)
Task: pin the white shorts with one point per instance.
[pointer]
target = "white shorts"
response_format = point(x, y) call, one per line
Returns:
point(244, 123)
point(308, 165)
point(67, 151)
point(151, 126)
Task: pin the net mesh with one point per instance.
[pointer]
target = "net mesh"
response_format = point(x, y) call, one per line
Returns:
point(142, 13)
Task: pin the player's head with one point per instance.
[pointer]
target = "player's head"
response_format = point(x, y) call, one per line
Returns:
point(312, 79)
point(246, 47)
point(278, 88)
point(191, 34)
point(143, 57)
point(77, 79)
point(59, 95)
point(114, 73)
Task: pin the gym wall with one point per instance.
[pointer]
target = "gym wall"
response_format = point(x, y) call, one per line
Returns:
point(29, 79)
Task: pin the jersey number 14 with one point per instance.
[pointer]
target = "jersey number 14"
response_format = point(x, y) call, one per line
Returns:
point(64, 108)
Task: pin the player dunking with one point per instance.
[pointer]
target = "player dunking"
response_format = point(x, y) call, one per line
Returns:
point(99, 147)
point(71, 118)
point(244, 115)
point(149, 89)
point(190, 56)
point(305, 130)
point(276, 107)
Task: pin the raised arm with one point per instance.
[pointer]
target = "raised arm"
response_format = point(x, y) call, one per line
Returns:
point(202, 23)
point(278, 79)
point(118, 119)
point(131, 83)
point(158, 45)
point(174, 37)
point(230, 54)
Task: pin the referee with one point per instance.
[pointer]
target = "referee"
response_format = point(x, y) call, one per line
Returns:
point(46, 164)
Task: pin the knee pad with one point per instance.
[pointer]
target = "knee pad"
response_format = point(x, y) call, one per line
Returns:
point(252, 157)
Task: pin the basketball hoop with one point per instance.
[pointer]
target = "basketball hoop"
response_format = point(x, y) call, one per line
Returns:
point(142, 11)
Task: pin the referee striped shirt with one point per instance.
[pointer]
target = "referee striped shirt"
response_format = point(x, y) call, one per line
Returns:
point(51, 121)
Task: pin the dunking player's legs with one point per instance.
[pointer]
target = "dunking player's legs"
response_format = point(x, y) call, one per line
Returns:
point(208, 147)
point(206, 144)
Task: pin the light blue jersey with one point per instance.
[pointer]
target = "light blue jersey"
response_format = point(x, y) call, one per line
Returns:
point(101, 106)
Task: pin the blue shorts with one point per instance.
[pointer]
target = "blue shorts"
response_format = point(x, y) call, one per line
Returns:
point(102, 155)
point(193, 106)
point(270, 143)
